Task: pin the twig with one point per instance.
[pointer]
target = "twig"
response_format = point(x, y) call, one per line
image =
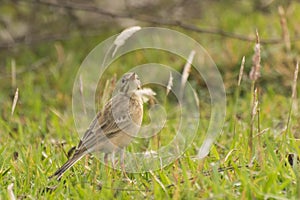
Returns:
point(31, 40)
point(149, 19)
point(89, 8)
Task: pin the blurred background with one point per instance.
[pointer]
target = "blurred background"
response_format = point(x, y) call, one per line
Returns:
point(43, 42)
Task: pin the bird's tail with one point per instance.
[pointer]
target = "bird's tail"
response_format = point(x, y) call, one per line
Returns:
point(58, 174)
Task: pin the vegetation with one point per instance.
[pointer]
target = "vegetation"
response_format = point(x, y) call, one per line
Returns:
point(255, 156)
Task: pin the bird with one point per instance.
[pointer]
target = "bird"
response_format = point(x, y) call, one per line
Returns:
point(114, 127)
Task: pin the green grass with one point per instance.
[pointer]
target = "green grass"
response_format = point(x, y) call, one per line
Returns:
point(33, 140)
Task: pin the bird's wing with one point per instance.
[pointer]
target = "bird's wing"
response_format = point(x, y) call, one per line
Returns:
point(105, 126)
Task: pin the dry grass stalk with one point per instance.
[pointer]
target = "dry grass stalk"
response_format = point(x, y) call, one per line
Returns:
point(170, 84)
point(294, 95)
point(16, 97)
point(237, 94)
point(255, 70)
point(81, 93)
point(254, 105)
point(110, 86)
point(254, 75)
point(124, 35)
point(241, 71)
point(186, 72)
point(60, 52)
point(294, 87)
point(196, 98)
point(159, 182)
point(146, 94)
point(11, 192)
point(253, 115)
point(284, 27)
point(13, 73)
point(106, 92)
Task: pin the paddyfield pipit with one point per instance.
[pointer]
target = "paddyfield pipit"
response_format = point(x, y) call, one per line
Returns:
point(114, 127)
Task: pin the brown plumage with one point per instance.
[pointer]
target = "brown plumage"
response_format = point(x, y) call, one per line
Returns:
point(114, 127)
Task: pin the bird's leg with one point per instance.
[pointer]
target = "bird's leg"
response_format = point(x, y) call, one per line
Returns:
point(86, 163)
point(106, 162)
point(122, 163)
point(106, 158)
point(113, 159)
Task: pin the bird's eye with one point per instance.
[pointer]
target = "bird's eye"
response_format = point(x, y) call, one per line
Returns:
point(123, 80)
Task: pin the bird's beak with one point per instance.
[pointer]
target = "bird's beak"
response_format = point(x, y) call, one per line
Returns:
point(132, 77)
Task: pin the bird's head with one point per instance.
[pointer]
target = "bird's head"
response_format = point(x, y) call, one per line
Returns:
point(130, 82)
